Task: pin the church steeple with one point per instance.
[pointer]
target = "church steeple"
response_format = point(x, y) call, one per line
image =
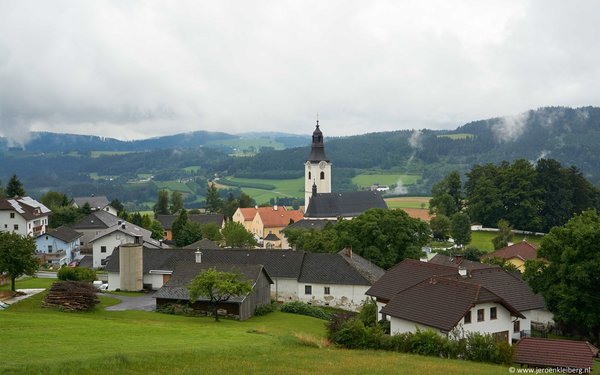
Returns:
point(317, 151)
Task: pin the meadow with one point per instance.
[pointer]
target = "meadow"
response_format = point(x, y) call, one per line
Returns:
point(48, 341)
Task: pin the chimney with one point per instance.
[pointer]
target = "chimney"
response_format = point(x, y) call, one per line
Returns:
point(462, 271)
point(122, 226)
point(119, 222)
point(198, 256)
point(424, 259)
point(349, 252)
point(459, 259)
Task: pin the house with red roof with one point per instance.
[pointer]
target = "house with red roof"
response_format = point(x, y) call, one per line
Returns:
point(268, 225)
point(574, 357)
point(516, 254)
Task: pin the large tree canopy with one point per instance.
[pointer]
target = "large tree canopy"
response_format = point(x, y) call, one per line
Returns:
point(570, 275)
point(17, 256)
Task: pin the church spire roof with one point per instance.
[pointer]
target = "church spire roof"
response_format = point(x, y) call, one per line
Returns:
point(317, 152)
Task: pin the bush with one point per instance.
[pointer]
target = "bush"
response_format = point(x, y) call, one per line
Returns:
point(336, 322)
point(427, 342)
point(76, 274)
point(368, 313)
point(484, 348)
point(302, 308)
point(265, 309)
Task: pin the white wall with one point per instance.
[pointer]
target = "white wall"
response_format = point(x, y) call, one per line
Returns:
point(114, 281)
point(539, 316)
point(284, 290)
point(7, 223)
point(155, 279)
point(503, 322)
point(349, 297)
point(111, 241)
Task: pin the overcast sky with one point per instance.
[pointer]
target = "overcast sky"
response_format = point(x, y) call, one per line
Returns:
point(137, 69)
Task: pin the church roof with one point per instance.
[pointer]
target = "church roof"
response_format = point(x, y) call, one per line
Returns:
point(343, 204)
point(317, 151)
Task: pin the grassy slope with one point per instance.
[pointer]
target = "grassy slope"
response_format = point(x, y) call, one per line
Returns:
point(365, 180)
point(131, 342)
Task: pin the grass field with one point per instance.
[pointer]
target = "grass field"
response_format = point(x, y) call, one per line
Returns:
point(47, 341)
point(283, 188)
point(408, 202)
point(248, 146)
point(173, 186)
point(483, 240)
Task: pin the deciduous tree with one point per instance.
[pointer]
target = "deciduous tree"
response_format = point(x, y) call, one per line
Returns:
point(217, 287)
point(17, 256)
point(235, 235)
point(461, 228)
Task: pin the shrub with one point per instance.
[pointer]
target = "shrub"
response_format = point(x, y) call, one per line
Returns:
point(76, 274)
point(336, 322)
point(427, 342)
point(265, 309)
point(368, 313)
point(175, 309)
point(484, 348)
point(302, 308)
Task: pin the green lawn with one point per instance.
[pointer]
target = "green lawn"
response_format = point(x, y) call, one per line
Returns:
point(283, 188)
point(365, 180)
point(408, 202)
point(47, 341)
point(173, 186)
point(483, 240)
point(30, 283)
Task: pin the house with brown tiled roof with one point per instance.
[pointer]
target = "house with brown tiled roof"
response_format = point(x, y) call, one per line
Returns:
point(166, 221)
point(508, 287)
point(516, 254)
point(451, 307)
point(578, 356)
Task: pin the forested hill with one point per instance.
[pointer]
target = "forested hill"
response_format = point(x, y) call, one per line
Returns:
point(571, 136)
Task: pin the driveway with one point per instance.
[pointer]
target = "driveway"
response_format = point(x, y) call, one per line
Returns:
point(144, 303)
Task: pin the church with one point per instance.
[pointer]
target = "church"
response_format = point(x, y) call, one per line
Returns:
point(320, 203)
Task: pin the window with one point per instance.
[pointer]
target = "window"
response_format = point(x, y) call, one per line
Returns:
point(102, 249)
point(493, 313)
point(16, 226)
point(307, 289)
point(517, 326)
point(322, 175)
point(468, 317)
point(480, 315)
point(12, 215)
point(326, 291)
point(309, 176)
point(49, 248)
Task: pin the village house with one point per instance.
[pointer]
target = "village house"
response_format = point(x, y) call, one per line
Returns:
point(166, 221)
point(268, 225)
point(498, 294)
point(96, 203)
point(58, 246)
point(124, 232)
point(337, 280)
point(91, 226)
point(24, 216)
point(516, 254)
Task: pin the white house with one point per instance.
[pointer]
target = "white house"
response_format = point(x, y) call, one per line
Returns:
point(58, 246)
point(122, 233)
point(93, 224)
point(296, 275)
point(23, 215)
point(452, 308)
point(502, 294)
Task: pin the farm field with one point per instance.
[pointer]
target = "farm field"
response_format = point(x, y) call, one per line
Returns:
point(173, 186)
point(408, 202)
point(248, 146)
point(138, 342)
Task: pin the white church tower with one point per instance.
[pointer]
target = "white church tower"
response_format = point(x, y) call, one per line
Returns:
point(317, 169)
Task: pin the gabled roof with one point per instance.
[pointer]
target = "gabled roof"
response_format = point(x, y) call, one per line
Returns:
point(507, 285)
point(343, 204)
point(166, 221)
point(279, 263)
point(535, 351)
point(440, 303)
point(272, 237)
point(97, 203)
point(322, 268)
point(458, 261)
point(365, 267)
point(404, 275)
point(316, 224)
point(203, 244)
point(26, 207)
point(522, 250)
point(64, 234)
point(250, 212)
point(131, 230)
point(185, 272)
point(97, 220)
point(279, 218)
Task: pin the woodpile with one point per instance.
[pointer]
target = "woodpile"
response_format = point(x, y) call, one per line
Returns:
point(71, 296)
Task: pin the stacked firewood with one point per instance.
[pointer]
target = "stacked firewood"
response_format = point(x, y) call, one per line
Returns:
point(71, 296)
